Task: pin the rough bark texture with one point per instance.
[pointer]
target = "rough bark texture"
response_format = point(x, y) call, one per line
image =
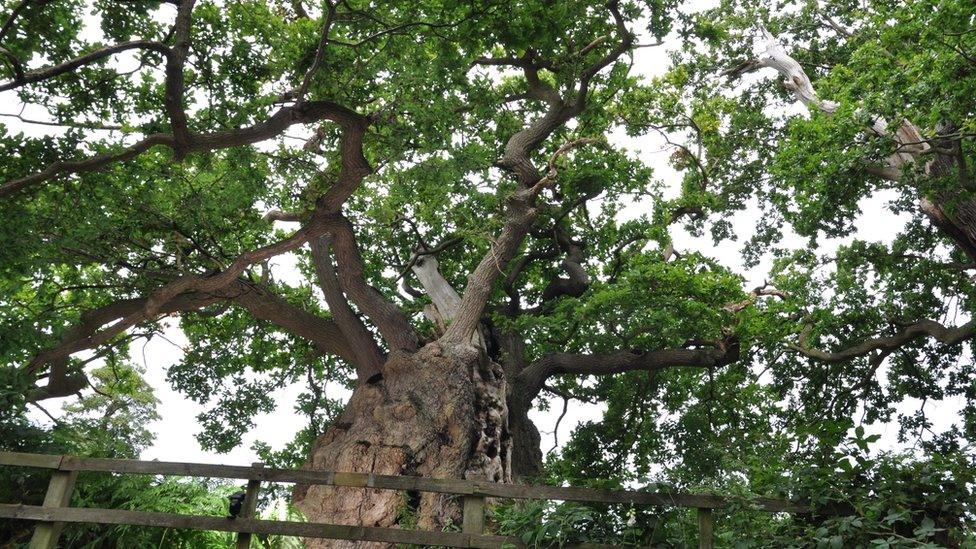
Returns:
point(526, 440)
point(439, 413)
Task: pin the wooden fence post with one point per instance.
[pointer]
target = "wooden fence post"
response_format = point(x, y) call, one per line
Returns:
point(58, 494)
point(473, 514)
point(706, 528)
point(249, 507)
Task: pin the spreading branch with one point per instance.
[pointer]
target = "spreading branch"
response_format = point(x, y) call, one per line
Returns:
point(277, 123)
point(259, 301)
point(65, 124)
point(531, 380)
point(156, 302)
point(46, 73)
point(908, 333)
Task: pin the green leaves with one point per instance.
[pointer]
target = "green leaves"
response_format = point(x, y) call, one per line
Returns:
point(775, 421)
point(234, 365)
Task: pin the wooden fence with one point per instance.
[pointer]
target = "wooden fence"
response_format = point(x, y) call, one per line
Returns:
point(55, 511)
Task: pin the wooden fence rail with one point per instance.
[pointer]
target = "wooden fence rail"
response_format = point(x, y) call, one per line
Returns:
point(55, 510)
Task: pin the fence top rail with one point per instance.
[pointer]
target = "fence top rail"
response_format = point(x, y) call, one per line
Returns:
point(386, 482)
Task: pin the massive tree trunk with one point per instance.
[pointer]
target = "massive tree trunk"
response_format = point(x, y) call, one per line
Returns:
point(439, 413)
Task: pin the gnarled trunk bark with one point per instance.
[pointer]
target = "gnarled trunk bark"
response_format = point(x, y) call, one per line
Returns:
point(439, 413)
point(526, 440)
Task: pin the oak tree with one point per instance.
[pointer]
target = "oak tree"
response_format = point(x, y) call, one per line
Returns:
point(450, 179)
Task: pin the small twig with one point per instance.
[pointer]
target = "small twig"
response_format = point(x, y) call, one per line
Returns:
point(555, 430)
point(550, 177)
point(85, 126)
point(319, 54)
point(48, 414)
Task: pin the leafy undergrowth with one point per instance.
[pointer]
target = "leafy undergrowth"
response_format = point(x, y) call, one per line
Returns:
point(859, 501)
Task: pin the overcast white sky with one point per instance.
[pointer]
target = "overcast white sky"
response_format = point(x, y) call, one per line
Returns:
point(175, 431)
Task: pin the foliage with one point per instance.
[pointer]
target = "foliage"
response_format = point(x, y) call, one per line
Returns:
point(542, 523)
point(669, 262)
point(859, 499)
point(111, 422)
point(171, 495)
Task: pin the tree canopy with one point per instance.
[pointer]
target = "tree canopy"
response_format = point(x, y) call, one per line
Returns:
point(459, 173)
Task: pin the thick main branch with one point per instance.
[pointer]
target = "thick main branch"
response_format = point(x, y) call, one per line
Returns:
point(363, 346)
point(274, 125)
point(391, 322)
point(532, 378)
point(259, 301)
point(517, 159)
